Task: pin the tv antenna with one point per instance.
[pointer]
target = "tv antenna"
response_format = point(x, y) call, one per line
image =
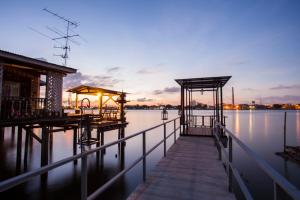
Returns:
point(66, 36)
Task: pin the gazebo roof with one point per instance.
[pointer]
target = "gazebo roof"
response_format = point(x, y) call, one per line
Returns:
point(207, 82)
point(89, 90)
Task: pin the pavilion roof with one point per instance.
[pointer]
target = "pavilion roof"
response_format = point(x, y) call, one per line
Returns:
point(89, 90)
point(205, 83)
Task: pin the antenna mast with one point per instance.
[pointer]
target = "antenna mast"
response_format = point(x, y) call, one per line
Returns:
point(66, 36)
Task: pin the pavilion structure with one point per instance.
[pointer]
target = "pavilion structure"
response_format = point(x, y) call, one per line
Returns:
point(201, 125)
point(104, 96)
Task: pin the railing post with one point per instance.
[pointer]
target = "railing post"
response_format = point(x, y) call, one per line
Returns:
point(165, 140)
point(219, 146)
point(202, 120)
point(230, 163)
point(84, 177)
point(180, 129)
point(144, 156)
point(175, 131)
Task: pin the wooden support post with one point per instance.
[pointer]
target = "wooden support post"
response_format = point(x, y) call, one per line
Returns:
point(284, 133)
point(75, 140)
point(122, 102)
point(19, 150)
point(122, 150)
point(75, 135)
point(13, 130)
point(2, 130)
point(26, 149)
point(50, 143)
point(102, 141)
point(84, 178)
point(44, 149)
point(76, 101)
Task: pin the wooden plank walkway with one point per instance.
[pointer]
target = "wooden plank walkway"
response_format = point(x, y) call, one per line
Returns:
point(191, 170)
point(201, 131)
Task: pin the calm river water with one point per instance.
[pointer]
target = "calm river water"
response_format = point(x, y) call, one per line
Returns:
point(260, 130)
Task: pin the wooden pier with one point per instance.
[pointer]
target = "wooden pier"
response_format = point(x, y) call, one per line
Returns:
point(191, 170)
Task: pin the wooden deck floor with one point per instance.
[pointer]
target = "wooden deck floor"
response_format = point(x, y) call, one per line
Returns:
point(191, 170)
point(200, 131)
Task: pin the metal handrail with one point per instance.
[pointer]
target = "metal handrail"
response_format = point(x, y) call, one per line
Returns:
point(278, 179)
point(9, 183)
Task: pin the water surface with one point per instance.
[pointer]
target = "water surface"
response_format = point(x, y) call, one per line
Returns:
point(260, 130)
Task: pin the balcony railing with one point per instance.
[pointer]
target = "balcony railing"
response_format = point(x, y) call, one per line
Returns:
point(18, 108)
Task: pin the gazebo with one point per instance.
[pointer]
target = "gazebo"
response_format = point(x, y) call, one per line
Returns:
point(195, 124)
point(104, 96)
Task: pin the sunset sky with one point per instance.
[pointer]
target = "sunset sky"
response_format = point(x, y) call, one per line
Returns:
point(142, 46)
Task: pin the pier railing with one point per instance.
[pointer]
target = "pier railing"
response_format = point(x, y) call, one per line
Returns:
point(12, 182)
point(203, 120)
point(277, 179)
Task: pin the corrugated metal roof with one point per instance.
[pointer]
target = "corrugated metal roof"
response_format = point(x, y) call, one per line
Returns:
point(16, 59)
point(206, 82)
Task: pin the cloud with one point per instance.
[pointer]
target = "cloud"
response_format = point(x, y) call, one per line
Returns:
point(73, 80)
point(144, 99)
point(113, 69)
point(286, 87)
point(145, 71)
point(282, 99)
point(250, 89)
point(167, 90)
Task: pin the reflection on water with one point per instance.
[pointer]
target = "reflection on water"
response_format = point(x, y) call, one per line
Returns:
point(266, 124)
point(260, 130)
point(236, 121)
point(298, 127)
point(250, 125)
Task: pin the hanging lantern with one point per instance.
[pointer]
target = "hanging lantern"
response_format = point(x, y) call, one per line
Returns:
point(164, 114)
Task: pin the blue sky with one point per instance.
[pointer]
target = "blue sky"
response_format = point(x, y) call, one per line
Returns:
point(142, 46)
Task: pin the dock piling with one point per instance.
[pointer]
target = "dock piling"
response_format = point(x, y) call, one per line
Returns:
point(19, 150)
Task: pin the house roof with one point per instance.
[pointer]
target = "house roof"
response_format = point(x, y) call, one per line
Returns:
point(84, 89)
point(16, 60)
point(206, 82)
